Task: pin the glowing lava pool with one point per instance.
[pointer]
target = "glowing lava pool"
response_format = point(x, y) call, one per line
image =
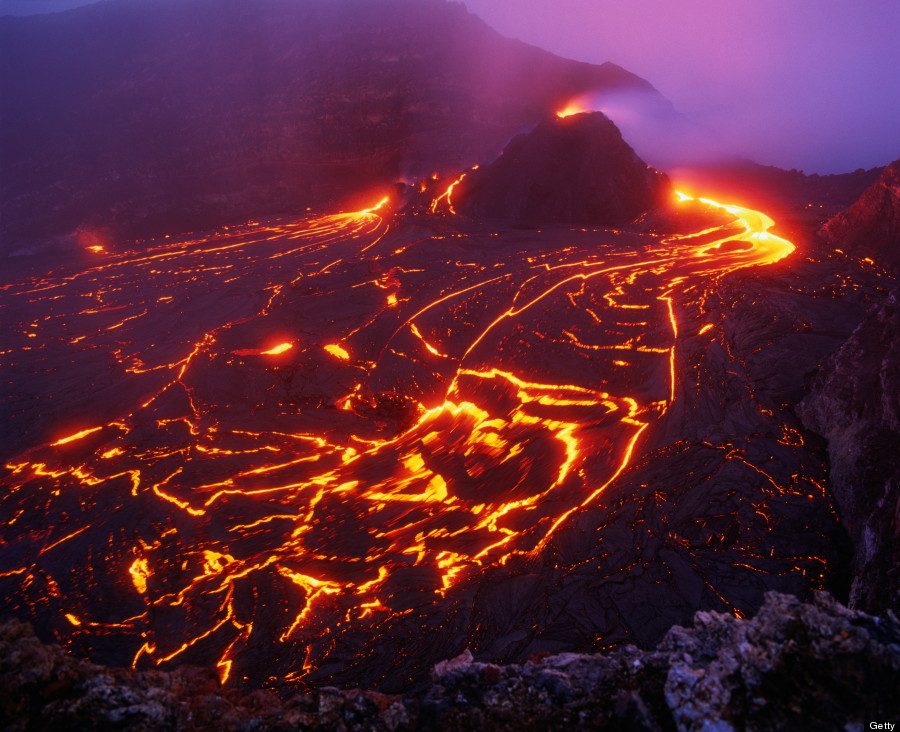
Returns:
point(266, 448)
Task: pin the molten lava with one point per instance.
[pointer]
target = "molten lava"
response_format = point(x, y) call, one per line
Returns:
point(578, 105)
point(229, 503)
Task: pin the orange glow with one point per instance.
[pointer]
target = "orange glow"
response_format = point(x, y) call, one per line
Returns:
point(377, 207)
point(76, 436)
point(447, 195)
point(765, 248)
point(140, 572)
point(570, 110)
point(215, 562)
point(578, 105)
point(474, 456)
point(281, 348)
point(337, 351)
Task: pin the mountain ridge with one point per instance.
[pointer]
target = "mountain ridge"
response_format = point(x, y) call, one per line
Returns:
point(137, 121)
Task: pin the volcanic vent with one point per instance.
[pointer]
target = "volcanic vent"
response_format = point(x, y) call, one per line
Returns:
point(568, 170)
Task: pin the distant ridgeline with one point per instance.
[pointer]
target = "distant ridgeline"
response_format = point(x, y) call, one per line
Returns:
point(135, 118)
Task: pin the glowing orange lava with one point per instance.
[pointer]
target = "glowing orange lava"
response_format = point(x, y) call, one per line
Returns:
point(570, 110)
point(377, 207)
point(280, 348)
point(494, 396)
point(337, 351)
point(77, 436)
point(578, 105)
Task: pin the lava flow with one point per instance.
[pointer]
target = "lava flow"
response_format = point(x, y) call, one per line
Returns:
point(263, 439)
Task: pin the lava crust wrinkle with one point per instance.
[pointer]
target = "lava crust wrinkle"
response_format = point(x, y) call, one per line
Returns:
point(289, 439)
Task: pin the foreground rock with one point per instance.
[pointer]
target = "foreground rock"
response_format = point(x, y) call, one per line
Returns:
point(795, 665)
point(871, 226)
point(855, 404)
point(576, 170)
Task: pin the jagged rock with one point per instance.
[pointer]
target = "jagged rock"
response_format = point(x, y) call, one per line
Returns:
point(795, 665)
point(453, 666)
point(871, 226)
point(855, 405)
point(575, 170)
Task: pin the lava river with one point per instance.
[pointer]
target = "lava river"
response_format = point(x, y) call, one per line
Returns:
point(269, 437)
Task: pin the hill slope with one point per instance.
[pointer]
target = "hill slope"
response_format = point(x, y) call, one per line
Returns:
point(145, 118)
point(576, 170)
point(871, 226)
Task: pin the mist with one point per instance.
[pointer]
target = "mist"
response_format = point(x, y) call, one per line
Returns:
point(807, 84)
point(660, 135)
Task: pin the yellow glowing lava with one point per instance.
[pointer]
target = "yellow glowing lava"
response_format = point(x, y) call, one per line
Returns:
point(281, 348)
point(377, 207)
point(477, 454)
point(578, 105)
point(77, 436)
point(140, 572)
point(569, 111)
point(337, 351)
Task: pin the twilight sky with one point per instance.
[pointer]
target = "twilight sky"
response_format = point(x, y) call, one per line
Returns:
point(811, 84)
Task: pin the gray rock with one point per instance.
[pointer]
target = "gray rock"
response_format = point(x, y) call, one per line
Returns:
point(855, 405)
point(796, 665)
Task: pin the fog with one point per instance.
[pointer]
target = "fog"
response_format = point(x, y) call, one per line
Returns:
point(807, 84)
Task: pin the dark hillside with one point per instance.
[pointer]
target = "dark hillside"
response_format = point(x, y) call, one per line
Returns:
point(136, 118)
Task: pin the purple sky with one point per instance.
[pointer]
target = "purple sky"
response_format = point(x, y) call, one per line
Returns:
point(811, 84)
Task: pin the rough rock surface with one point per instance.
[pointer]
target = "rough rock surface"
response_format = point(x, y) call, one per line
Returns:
point(575, 170)
point(725, 502)
point(796, 665)
point(871, 226)
point(855, 404)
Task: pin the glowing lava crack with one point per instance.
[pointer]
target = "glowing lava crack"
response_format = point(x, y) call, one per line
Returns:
point(386, 409)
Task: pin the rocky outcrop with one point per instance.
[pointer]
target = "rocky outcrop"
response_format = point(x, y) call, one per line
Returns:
point(871, 226)
point(576, 170)
point(795, 665)
point(855, 405)
point(147, 118)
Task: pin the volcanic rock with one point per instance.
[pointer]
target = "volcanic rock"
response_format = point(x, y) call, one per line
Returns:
point(147, 118)
point(778, 191)
point(855, 404)
point(796, 665)
point(725, 500)
point(575, 170)
point(871, 226)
